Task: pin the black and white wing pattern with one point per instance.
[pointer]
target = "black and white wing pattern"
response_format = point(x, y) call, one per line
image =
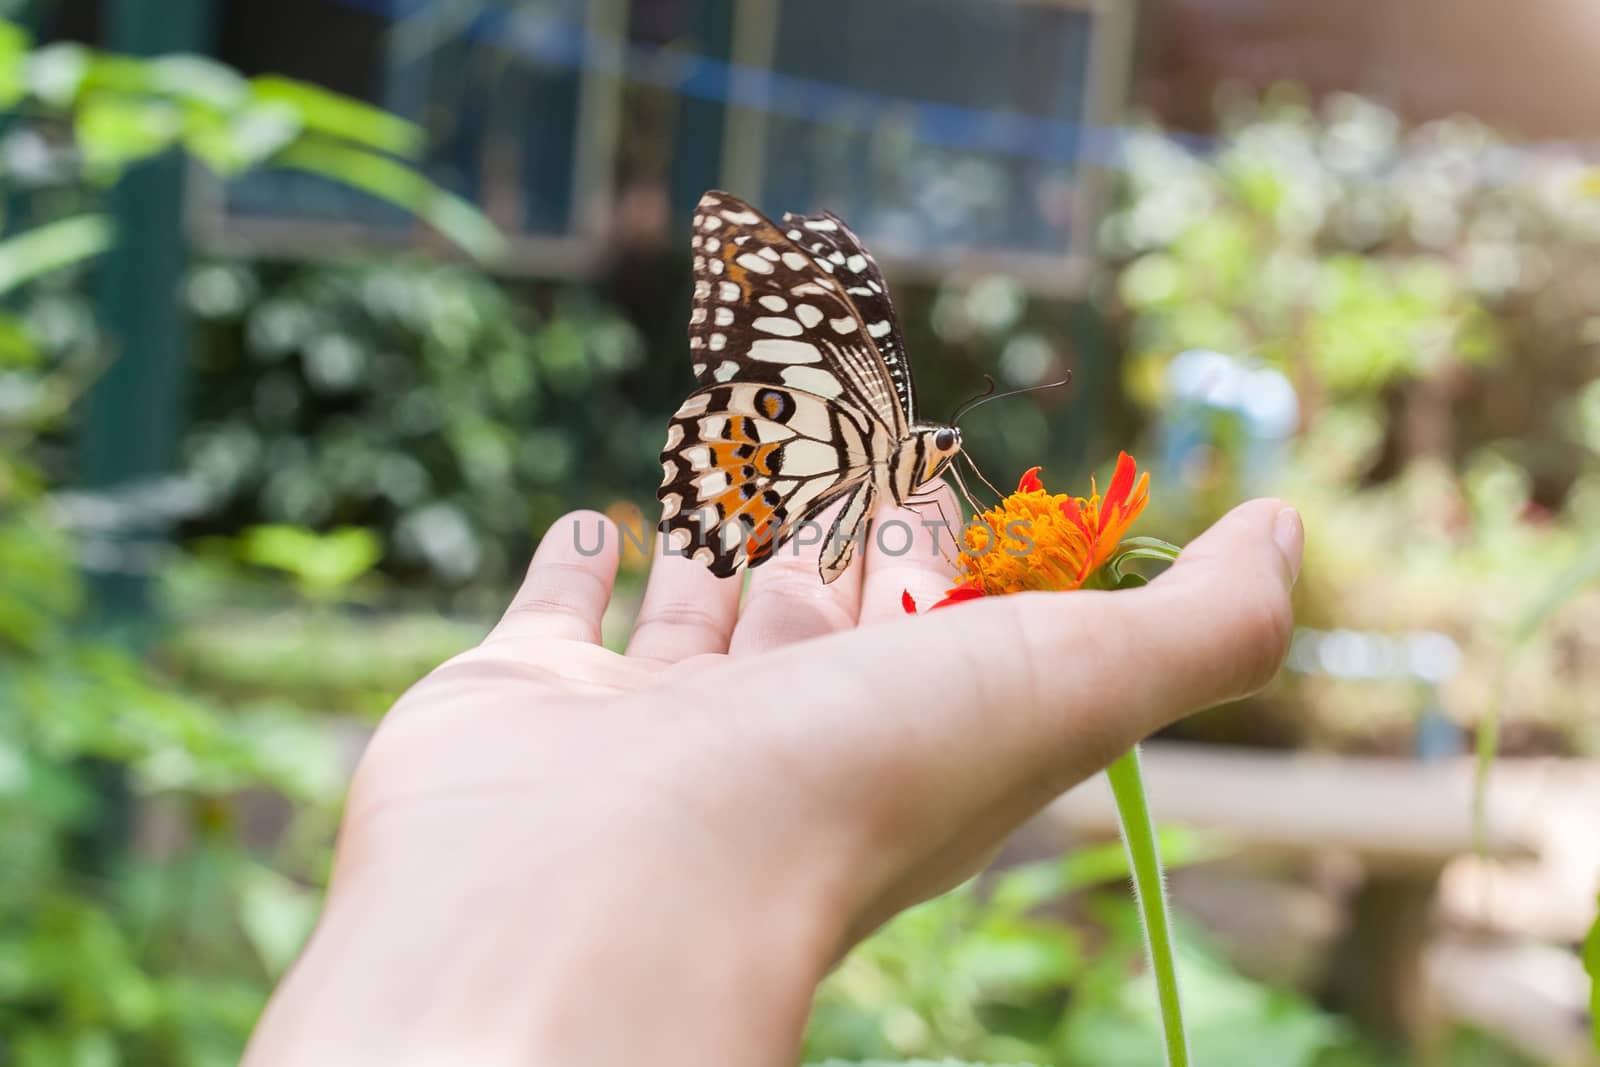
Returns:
point(827, 235)
point(797, 405)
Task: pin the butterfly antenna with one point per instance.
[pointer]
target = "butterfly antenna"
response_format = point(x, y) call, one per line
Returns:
point(972, 402)
point(979, 472)
point(989, 394)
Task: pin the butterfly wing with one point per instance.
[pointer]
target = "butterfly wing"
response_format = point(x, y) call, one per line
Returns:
point(796, 406)
point(827, 236)
point(746, 464)
point(847, 531)
point(768, 310)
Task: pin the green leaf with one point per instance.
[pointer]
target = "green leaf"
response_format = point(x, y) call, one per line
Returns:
point(17, 345)
point(198, 79)
point(190, 78)
point(56, 72)
point(233, 144)
point(399, 185)
point(51, 247)
point(1169, 549)
point(341, 117)
point(1137, 548)
point(115, 131)
point(262, 130)
point(277, 916)
point(14, 45)
point(322, 564)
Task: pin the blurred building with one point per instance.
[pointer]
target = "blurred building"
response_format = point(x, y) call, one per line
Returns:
point(1526, 66)
point(953, 134)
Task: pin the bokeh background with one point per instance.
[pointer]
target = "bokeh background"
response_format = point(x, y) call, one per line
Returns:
point(314, 314)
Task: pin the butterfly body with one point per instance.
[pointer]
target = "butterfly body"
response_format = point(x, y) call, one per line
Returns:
point(805, 395)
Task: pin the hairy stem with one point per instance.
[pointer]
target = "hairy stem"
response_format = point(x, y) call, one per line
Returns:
point(1150, 893)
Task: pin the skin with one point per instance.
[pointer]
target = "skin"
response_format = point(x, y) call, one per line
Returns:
point(557, 854)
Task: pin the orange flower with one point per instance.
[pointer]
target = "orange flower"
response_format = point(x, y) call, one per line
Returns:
point(1034, 540)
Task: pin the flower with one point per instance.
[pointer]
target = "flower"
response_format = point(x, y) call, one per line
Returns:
point(1035, 540)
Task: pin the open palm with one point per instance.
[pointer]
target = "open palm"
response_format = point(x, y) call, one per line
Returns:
point(757, 785)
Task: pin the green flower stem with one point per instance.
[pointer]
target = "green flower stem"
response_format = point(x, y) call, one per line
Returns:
point(1150, 892)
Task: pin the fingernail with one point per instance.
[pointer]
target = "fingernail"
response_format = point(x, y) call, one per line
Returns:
point(1290, 534)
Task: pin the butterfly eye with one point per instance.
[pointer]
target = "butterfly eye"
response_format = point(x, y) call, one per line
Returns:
point(945, 440)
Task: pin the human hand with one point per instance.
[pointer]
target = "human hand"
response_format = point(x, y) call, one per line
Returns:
point(554, 853)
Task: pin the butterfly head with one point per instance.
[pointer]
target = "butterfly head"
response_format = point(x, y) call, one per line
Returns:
point(939, 446)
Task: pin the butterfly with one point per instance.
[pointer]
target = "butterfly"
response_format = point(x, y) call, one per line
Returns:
point(805, 397)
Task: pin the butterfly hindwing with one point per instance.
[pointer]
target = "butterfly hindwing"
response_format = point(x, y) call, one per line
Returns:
point(745, 464)
point(847, 532)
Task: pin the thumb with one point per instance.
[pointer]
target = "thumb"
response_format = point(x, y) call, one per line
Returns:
point(1115, 667)
point(1217, 624)
point(1048, 688)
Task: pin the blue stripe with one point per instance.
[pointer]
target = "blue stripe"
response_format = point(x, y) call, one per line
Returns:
point(701, 77)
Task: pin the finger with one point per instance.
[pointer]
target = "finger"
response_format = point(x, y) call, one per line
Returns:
point(687, 611)
point(977, 715)
point(568, 584)
point(787, 600)
point(910, 551)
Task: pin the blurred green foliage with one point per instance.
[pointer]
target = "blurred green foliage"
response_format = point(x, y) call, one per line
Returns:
point(1007, 972)
point(1431, 294)
point(1329, 244)
point(87, 116)
point(322, 565)
point(424, 401)
point(137, 924)
point(162, 850)
point(1387, 271)
point(1040, 965)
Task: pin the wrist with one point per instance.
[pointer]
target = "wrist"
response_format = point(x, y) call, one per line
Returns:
point(492, 963)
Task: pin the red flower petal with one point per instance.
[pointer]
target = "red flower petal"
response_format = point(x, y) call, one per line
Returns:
point(1074, 515)
point(959, 594)
point(1116, 497)
point(1030, 483)
point(907, 602)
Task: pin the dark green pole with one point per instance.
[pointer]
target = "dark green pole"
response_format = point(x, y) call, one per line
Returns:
point(134, 413)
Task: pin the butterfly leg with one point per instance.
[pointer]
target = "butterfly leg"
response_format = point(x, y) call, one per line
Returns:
point(979, 472)
point(916, 500)
point(955, 472)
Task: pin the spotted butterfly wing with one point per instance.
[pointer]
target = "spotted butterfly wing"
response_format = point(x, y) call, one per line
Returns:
point(804, 391)
point(827, 235)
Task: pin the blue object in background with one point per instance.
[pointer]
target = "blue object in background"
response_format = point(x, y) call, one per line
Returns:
point(1216, 401)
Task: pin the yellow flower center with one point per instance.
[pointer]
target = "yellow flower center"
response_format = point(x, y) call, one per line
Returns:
point(1036, 540)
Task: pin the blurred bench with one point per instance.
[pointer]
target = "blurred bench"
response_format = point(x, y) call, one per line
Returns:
point(1393, 814)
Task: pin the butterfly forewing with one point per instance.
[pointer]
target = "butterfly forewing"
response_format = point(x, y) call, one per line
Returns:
point(827, 236)
point(767, 310)
point(798, 404)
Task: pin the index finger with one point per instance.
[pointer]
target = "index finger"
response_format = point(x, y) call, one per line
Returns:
point(910, 550)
